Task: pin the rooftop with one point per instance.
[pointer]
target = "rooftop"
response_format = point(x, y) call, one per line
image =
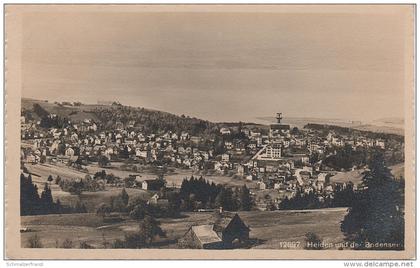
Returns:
point(206, 234)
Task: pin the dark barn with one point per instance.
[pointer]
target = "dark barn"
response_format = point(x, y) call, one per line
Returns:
point(226, 230)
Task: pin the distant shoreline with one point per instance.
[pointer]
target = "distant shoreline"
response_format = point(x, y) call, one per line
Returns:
point(384, 125)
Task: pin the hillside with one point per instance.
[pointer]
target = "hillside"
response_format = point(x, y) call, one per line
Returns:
point(74, 113)
point(269, 229)
point(108, 116)
point(152, 120)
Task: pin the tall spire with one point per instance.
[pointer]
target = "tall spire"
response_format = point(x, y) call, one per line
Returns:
point(279, 118)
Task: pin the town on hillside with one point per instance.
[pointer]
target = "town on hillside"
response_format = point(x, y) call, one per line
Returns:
point(121, 164)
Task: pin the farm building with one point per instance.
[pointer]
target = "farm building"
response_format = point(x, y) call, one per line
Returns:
point(226, 230)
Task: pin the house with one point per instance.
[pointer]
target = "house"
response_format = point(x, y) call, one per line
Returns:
point(31, 158)
point(249, 178)
point(195, 139)
point(205, 155)
point(108, 152)
point(157, 200)
point(154, 199)
point(322, 177)
point(225, 230)
point(225, 157)
point(141, 153)
point(241, 170)
point(185, 136)
point(201, 237)
point(69, 152)
point(380, 144)
point(174, 136)
point(262, 185)
point(229, 145)
point(224, 131)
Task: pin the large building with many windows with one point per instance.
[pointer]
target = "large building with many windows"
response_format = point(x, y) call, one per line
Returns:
point(273, 151)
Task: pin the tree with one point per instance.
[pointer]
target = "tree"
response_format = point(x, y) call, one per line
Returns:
point(59, 209)
point(149, 228)
point(47, 199)
point(294, 131)
point(271, 206)
point(135, 240)
point(138, 212)
point(124, 196)
point(103, 161)
point(117, 204)
point(30, 201)
point(34, 242)
point(57, 179)
point(29, 197)
point(228, 201)
point(40, 111)
point(103, 210)
point(118, 243)
point(85, 245)
point(343, 196)
point(80, 207)
point(245, 199)
point(174, 204)
point(67, 243)
point(219, 201)
point(197, 191)
point(377, 213)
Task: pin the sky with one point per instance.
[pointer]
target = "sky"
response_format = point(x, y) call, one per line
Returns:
point(221, 66)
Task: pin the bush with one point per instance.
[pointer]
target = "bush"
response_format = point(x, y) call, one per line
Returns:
point(118, 244)
point(67, 243)
point(85, 245)
point(137, 240)
point(34, 242)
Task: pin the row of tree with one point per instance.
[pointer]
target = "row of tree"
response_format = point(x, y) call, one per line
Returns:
point(377, 212)
point(196, 193)
point(341, 197)
point(355, 132)
point(152, 121)
point(345, 158)
point(137, 208)
point(77, 186)
point(31, 203)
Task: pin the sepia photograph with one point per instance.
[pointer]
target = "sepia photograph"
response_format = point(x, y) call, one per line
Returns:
point(210, 131)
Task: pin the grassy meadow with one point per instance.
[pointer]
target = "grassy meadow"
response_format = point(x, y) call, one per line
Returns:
point(268, 228)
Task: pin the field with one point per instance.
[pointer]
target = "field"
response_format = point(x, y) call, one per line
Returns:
point(268, 228)
point(174, 178)
point(397, 170)
point(354, 176)
point(40, 173)
point(74, 113)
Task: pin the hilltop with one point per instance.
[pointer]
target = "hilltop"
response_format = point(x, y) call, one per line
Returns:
point(110, 115)
point(384, 125)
